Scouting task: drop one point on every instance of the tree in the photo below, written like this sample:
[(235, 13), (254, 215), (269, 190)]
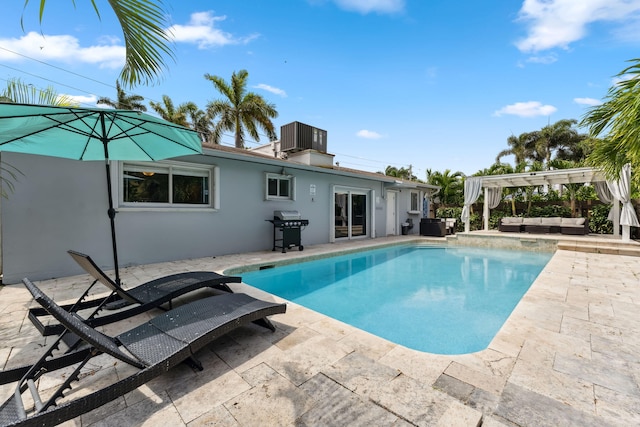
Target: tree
[(146, 40), (23, 93), (170, 113), (124, 101), (240, 111), (403, 173), (559, 138), (572, 188), (451, 186), (616, 121), (552, 138), (20, 92), (201, 122), (519, 147)]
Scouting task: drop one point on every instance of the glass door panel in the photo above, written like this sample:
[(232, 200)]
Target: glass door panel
[(358, 215), (341, 215)]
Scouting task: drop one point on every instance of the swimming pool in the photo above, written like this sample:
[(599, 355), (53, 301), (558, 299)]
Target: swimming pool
[(444, 300)]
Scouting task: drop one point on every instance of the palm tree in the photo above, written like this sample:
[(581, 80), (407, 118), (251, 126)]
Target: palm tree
[(241, 110), (170, 113), (502, 169), (553, 138), (124, 101), (403, 173), (22, 93), (519, 147), (146, 40), (572, 188), (535, 166), (450, 183), (201, 122), (616, 120)]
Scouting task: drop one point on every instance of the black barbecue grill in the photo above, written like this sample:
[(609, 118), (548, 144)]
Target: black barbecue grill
[(287, 227)]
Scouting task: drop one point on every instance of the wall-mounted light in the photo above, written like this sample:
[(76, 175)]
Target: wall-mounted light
[(148, 173)]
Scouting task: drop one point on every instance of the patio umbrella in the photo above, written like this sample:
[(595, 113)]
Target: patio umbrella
[(93, 134)]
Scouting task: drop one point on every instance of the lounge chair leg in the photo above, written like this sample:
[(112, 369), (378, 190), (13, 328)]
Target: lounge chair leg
[(194, 363), (266, 323)]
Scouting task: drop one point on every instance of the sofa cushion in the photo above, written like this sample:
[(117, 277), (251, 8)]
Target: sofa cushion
[(572, 222), (531, 221), (551, 221), (511, 220)]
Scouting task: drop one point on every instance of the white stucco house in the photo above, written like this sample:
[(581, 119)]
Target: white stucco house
[(190, 207)]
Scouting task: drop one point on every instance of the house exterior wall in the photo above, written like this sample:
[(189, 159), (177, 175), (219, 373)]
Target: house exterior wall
[(61, 204)]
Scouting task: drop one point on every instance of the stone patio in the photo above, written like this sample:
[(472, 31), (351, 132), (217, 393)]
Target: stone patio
[(568, 355)]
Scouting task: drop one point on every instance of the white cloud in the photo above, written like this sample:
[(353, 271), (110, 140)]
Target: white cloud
[(62, 48), (587, 101), (623, 78), (526, 109), (557, 23), (368, 134), (274, 90), (82, 99), (368, 6), (201, 31)]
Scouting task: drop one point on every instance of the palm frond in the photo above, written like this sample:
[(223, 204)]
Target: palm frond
[(146, 39)]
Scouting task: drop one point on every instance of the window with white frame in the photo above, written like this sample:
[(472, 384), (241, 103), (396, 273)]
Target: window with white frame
[(279, 187), (161, 184), (414, 202)]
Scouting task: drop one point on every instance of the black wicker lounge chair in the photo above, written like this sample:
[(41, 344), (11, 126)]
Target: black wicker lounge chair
[(142, 297), (153, 347)]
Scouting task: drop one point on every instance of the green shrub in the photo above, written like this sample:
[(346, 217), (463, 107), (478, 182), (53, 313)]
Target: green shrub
[(550, 211), (453, 212), (598, 222), (586, 192)]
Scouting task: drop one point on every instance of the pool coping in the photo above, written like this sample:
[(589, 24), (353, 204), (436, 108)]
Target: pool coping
[(566, 355)]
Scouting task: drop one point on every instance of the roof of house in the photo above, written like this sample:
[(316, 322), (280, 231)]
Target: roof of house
[(259, 157)]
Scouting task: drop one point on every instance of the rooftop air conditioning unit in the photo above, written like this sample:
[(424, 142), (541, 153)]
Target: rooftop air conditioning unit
[(297, 136)]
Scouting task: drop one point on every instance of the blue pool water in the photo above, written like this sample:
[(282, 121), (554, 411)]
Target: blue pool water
[(449, 300)]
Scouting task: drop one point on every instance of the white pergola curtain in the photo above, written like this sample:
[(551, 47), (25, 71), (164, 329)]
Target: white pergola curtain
[(621, 190), (494, 197), (604, 195), (472, 188)]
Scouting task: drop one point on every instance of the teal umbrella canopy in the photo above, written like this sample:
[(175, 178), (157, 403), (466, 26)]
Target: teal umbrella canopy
[(93, 134)]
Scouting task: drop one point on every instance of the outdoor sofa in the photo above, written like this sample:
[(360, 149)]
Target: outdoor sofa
[(573, 226)]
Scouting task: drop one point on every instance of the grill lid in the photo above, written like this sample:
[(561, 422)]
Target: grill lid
[(285, 215)]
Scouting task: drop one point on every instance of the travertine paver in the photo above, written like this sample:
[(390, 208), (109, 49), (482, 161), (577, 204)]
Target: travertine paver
[(568, 355)]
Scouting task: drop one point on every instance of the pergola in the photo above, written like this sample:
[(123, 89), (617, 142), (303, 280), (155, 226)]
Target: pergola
[(474, 185)]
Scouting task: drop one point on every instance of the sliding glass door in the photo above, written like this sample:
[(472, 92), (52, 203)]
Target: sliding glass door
[(351, 214)]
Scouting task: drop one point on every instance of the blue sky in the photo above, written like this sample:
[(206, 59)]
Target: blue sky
[(432, 84)]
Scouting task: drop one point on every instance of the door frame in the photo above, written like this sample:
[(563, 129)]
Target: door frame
[(370, 212)]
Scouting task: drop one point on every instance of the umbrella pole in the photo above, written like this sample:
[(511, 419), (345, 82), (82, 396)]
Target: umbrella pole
[(112, 216), (111, 212)]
